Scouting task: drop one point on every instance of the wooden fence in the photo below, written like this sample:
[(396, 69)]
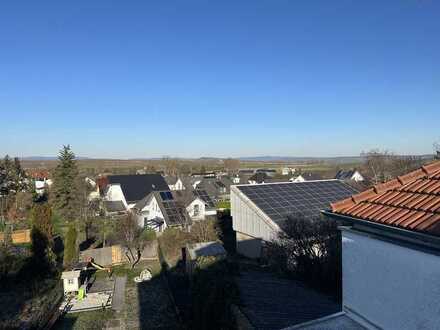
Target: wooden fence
[(104, 256), (18, 236)]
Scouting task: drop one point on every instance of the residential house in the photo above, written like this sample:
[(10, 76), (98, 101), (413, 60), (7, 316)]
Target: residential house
[(203, 175), (349, 175), (42, 180), (174, 182), (241, 178), (391, 252), (260, 211), (268, 171), (257, 178), (197, 202), (94, 193), (216, 189), (262, 177), (130, 189), (287, 171), (306, 177), (160, 210), (246, 171)]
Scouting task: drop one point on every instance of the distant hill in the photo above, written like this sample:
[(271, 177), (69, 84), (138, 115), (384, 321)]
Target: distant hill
[(45, 158), (353, 159)]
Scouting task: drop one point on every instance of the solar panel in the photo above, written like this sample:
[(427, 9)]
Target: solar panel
[(307, 198), (166, 195), (204, 196), (174, 212)]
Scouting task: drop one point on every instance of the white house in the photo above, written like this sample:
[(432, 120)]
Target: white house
[(198, 203), (391, 252), (159, 210), (287, 170), (298, 178), (174, 183), (130, 189), (259, 211)]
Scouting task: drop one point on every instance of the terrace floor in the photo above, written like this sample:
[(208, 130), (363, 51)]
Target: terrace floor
[(272, 302)]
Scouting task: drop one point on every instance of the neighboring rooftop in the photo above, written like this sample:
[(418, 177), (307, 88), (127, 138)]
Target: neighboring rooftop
[(114, 206), (173, 212), (136, 187), (345, 175), (70, 274), (259, 177), (206, 249), (278, 200), (410, 201)]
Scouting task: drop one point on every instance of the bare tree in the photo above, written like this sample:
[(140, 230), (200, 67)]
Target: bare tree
[(383, 165), (171, 165), (130, 233), (377, 163), (205, 231), (437, 150), (231, 165)]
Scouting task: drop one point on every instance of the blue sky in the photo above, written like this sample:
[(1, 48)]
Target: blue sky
[(219, 78)]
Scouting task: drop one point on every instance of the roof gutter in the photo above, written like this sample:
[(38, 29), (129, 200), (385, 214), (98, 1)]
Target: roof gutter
[(391, 233)]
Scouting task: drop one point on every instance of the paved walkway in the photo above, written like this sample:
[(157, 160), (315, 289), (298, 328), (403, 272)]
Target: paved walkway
[(119, 294)]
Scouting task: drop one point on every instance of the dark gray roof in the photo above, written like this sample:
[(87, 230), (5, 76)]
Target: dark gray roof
[(259, 177), (279, 200), (187, 196), (114, 206), (226, 181), (136, 187), (344, 175), (271, 302), (204, 196)]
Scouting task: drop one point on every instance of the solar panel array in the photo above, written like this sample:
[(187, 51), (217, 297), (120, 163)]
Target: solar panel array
[(204, 196), (174, 212), (279, 200)]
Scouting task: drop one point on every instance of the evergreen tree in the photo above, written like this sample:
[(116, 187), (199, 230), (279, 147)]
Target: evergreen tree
[(65, 187), (43, 256), (70, 254)]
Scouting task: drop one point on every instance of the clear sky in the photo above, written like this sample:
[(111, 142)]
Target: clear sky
[(219, 78)]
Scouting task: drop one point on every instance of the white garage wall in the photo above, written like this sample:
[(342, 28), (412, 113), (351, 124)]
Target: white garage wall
[(393, 287), (247, 220)]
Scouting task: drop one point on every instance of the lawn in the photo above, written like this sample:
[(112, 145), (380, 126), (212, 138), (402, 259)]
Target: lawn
[(86, 320)]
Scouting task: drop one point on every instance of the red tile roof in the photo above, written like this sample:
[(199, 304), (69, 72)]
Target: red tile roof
[(411, 201)]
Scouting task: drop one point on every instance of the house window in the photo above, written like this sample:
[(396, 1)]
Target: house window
[(196, 210), (70, 281)]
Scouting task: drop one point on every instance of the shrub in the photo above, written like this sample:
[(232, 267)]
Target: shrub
[(70, 254), (204, 231), (171, 242), (310, 250), (148, 235)]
